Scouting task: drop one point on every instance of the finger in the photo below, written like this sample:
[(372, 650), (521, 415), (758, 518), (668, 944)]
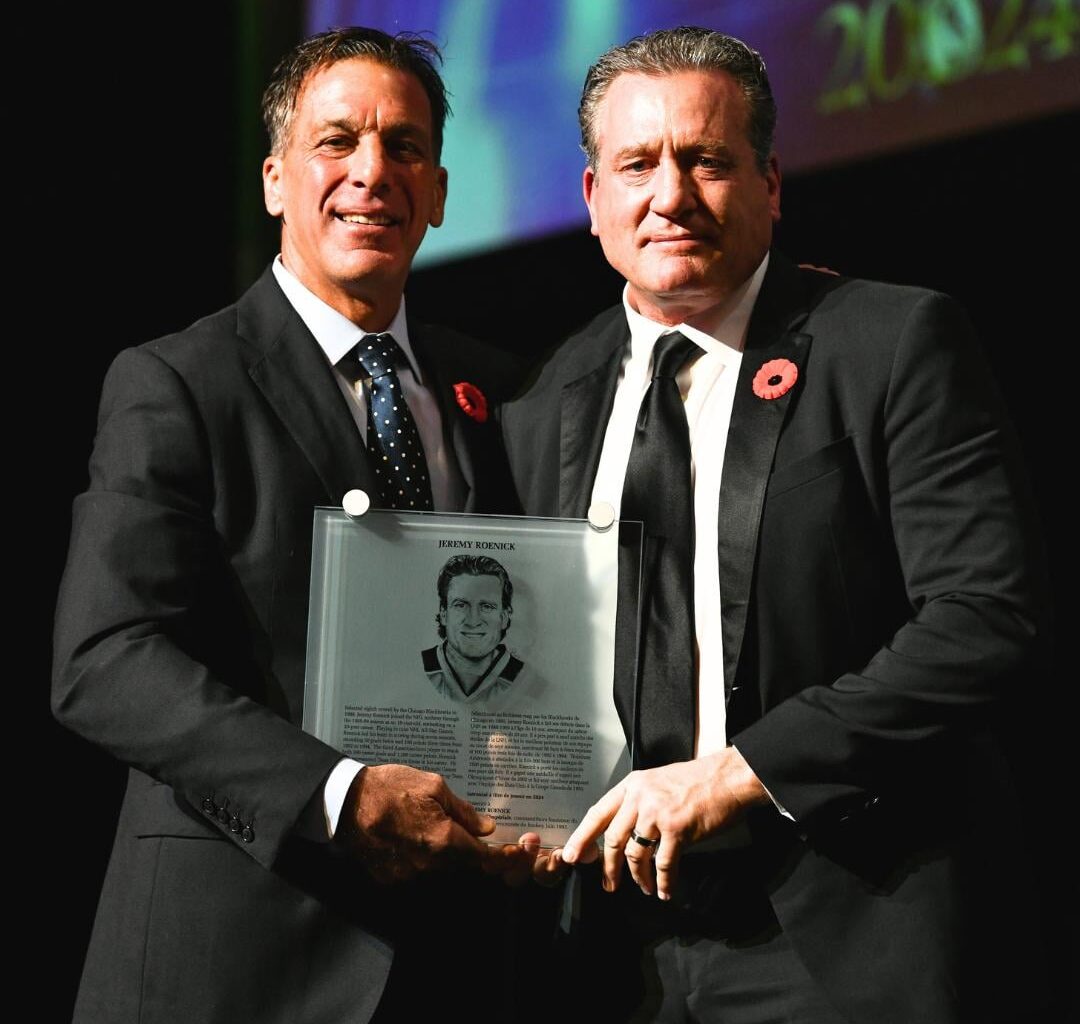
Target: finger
[(465, 814), (593, 824), (445, 843), (616, 837), (666, 862), (590, 854), (512, 862), (639, 857), (550, 868), (530, 841)]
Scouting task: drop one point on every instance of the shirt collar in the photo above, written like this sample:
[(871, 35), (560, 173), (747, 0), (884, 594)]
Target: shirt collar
[(726, 332), (337, 335)]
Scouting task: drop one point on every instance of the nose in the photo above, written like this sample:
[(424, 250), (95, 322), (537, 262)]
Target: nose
[(369, 164), (673, 189)]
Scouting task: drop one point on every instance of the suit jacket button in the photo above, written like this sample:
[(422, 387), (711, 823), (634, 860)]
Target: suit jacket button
[(234, 824), (247, 834), (223, 816), (209, 807)]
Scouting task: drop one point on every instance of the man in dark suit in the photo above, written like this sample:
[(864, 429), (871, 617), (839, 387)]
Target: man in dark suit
[(821, 793), (247, 880)]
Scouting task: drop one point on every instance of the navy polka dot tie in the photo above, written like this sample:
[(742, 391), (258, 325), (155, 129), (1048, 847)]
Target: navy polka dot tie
[(393, 441)]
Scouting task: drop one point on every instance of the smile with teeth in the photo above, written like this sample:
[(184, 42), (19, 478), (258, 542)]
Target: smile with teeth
[(382, 220)]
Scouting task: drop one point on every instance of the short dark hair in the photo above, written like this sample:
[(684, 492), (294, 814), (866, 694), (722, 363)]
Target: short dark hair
[(687, 48), (472, 565), (405, 51)]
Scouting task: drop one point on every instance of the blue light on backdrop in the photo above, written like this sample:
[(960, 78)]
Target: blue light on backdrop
[(851, 77)]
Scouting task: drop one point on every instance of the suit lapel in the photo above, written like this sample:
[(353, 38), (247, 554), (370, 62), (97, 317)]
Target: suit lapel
[(751, 445), (432, 358), (298, 382), (586, 403)]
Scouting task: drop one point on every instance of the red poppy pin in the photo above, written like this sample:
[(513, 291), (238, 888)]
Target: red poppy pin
[(775, 378), (472, 401)]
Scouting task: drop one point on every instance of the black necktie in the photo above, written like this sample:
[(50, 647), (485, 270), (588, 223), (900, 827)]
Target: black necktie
[(657, 491), (394, 446)]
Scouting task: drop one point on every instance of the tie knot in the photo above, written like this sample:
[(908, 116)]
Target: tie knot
[(669, 354), (378, 354)]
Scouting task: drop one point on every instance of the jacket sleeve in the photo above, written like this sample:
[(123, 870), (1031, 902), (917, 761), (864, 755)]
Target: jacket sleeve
[(154, 660)]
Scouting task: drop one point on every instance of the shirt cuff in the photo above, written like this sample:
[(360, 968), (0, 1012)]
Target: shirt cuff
[(335, 791), (319, 821)]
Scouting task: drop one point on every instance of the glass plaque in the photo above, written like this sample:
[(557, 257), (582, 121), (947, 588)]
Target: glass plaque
[(478, 647)]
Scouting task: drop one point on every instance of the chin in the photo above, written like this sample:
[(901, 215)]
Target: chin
[(372, 261), (480, 655), (687, 273)]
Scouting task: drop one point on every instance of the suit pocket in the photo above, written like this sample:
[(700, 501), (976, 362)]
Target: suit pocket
[(836, 455), (218, 938), (229, 942)]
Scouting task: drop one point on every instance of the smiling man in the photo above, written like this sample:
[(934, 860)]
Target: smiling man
[(248, 880), (475, 606), (354, 176), (841, 590)]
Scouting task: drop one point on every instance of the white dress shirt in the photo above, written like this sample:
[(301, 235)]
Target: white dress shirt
[(337, 336), (707, 384)]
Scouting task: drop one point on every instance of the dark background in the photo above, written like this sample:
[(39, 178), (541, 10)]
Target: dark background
[(146, 137)]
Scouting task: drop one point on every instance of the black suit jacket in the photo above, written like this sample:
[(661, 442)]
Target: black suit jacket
[(881, 588), (180, 643)]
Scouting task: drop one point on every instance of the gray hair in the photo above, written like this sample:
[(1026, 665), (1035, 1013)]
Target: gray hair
[(404, 51), (688, 48)]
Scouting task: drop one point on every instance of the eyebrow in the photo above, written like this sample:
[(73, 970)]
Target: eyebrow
[(698, 146), (344, 124), (348, 124)]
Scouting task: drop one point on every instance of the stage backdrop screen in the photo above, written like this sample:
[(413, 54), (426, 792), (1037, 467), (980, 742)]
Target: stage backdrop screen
[(852, 78)]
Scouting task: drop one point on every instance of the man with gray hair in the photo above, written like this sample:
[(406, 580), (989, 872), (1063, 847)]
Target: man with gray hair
[(249, 876), (841, 587)]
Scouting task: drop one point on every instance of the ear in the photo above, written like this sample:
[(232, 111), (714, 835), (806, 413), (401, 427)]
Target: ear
[(772, 180), (272, 192), (439, 209), (588, 190)]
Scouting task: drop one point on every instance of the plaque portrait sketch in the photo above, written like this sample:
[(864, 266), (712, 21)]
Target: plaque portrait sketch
[(480, 647), (473, 661)]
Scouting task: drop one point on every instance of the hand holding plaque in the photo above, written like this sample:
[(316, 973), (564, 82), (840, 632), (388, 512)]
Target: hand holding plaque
[(480, 648), (401, 821)]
